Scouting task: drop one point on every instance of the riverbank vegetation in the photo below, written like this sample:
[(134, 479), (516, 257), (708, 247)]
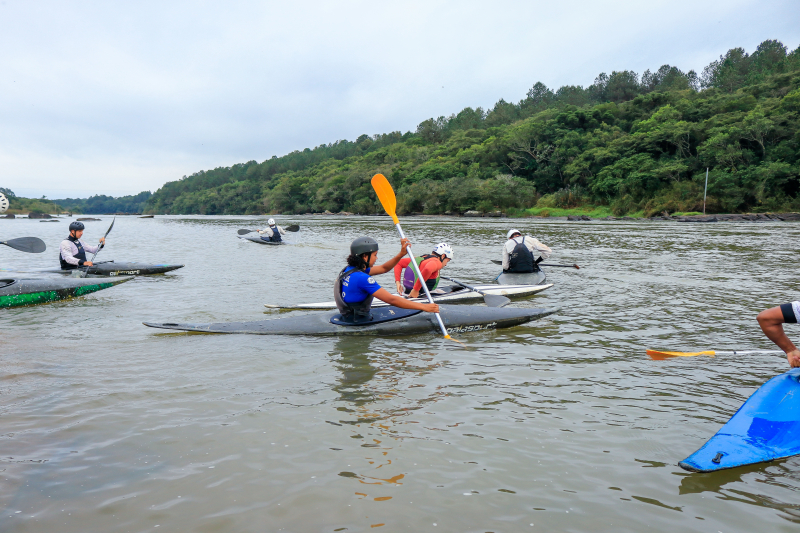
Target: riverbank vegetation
[(626, 144)]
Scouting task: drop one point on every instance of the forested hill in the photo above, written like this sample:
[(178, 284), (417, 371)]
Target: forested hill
[(634, 143)]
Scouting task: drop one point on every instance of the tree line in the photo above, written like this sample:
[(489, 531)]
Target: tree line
[(638, 144)]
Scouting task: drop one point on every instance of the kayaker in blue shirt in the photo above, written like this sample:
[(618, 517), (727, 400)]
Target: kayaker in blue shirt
[(355, 287), (771, 322)]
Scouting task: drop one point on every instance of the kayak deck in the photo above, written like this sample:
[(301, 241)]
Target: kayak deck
[(452, 294), (112, 268), (17, 292), (255, 237), (522, 278), (766, 427), (457, 319)]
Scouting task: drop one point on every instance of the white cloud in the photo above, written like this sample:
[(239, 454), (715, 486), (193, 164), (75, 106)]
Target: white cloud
[(113, 98)]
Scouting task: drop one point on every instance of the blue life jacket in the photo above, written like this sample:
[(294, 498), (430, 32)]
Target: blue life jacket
[(80, 256), (353, 311), (521, 259)]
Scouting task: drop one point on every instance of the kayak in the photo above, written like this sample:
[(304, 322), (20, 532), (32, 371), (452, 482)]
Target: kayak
[(255, 237), (15, 292), (457, 319), (765, 428), (110, 268), (527, 278), (452, 294)]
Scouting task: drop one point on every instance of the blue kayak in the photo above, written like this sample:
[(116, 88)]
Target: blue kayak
[(765, 428)]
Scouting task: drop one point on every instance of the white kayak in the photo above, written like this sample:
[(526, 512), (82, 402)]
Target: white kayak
[(450, 294)]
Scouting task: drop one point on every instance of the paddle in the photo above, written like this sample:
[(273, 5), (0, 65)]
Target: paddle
[(660, 355), (389, 202), (293, 228), (32, 245), (498, 262), (492, 300), (102, 245)]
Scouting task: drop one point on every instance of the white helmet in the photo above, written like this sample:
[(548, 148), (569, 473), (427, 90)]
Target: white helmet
[(271, 222), (443, 249), (512, 232), (3, 203)]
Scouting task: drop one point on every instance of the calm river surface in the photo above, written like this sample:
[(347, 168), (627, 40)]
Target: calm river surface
[(560, 425)]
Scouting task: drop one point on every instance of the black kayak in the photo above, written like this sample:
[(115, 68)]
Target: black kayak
[(110, 268), (256, 237), (15, 292), (456, 318), (516, 278)]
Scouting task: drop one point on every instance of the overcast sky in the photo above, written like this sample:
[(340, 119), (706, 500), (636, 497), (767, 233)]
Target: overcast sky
[(119, 97)]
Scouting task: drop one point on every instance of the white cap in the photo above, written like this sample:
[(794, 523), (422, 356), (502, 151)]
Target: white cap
[(512, 232), (443, 249), (271, 222)]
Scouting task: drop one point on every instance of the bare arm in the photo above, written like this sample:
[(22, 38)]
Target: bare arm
[(388, 265), (399, 301), (771, 322)]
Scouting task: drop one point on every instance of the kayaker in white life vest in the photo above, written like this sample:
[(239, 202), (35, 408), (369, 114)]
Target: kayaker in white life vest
[(771, 322), (518, 253), (72, 252), (272, 231)]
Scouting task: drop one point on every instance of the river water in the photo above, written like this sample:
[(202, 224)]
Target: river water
[(559, 425)]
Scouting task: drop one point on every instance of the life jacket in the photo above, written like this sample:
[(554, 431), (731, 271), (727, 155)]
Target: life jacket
[(410, 277), (81, 255), (276, 234), (354, 311), (521, 259)]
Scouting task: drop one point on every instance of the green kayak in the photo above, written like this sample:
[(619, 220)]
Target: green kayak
[(16, 292)]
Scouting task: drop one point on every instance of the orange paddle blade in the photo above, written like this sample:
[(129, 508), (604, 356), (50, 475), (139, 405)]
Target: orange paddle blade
[(659, 355), (386, 195)]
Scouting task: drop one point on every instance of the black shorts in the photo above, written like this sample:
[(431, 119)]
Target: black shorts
[(790, 312)]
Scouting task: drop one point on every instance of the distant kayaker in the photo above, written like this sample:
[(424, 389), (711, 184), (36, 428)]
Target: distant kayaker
[(518, 253), (72, 253), (273, 231), (429, 266), (771, 322), (355, 287)]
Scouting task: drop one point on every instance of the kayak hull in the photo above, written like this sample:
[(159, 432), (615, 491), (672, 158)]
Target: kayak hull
[(765, 428), (454, 294), (457, 319), (528, 278), (112, 268), (16, 292), (255, 237)]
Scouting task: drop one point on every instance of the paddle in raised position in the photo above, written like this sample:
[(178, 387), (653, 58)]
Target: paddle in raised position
[(102, 245), (389, 202)]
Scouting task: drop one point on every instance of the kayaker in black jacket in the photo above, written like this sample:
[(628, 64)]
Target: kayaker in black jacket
[(72, 252), (771, 322), (519, 253)]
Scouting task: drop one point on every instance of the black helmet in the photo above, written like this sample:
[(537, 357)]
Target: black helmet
[(76, 226), (363, 245)]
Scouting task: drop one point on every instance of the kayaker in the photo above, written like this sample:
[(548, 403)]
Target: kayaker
[(518, 252), (429, 266), (273, 231), (771, 322), (72, 253), (355, 286)]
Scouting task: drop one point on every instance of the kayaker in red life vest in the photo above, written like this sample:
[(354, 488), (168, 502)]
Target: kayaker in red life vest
[(518, 253), (771, 322), (429, 266)]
